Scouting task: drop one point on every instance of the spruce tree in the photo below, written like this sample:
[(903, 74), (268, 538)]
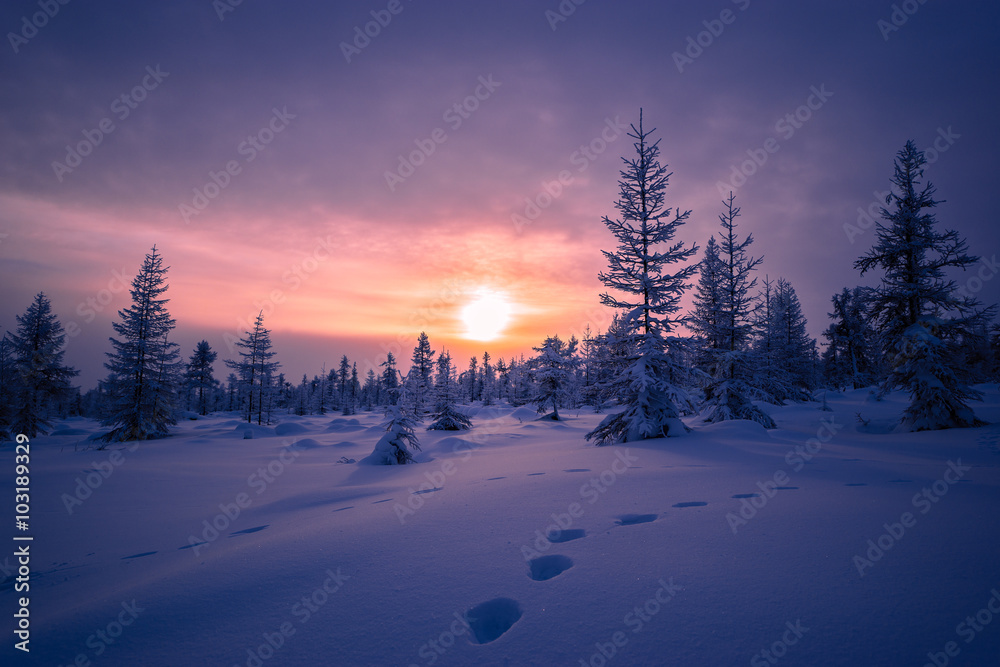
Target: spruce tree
[(649, 301), (40, 379), (419, 377), (255, 370), (143, 367), (917, 308), (201, 382), (733, 385), (446, 417)]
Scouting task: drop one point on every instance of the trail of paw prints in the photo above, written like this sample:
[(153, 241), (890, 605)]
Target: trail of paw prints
[(247, 531)]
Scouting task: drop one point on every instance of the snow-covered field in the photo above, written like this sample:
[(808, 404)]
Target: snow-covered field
[(209, 548)]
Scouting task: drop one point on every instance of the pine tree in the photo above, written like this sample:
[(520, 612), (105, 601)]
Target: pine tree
[(488, 379), (144, 366), (40, 378), (652, 298), (732, 386), (390, 378), (916, 307), (446, 417), (552, 370), (200, 378), (255, 370), (784, 350), (706, 320), (850, 358), (400, 440), (420, 386), (7, 375)]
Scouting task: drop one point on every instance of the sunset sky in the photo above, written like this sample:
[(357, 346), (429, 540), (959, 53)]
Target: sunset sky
[(308, 114)]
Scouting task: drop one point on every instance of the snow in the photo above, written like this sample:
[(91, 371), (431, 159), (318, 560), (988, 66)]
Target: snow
[(515, 543)]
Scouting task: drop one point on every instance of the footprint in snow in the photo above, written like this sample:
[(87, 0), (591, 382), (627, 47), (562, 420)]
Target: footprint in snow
[(695, 503), (533, 474), (377, 502), (577, 470), (247, 531), (747, 495), (418, 493), (544, 568), (491, 619), (786, 488), (145, 553), (633, 519), (855, 484), (188, 546), (349, 507), (491, 479), (558, 536)]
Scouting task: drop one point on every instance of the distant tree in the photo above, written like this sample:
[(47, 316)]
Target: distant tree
[(199, 376), (637, 268), (785, 352), (446, 417), (144, 366), (488, 379), (40, 379), (255, 370), (916, 308), (707, 320), (369, 392), (471, 379)]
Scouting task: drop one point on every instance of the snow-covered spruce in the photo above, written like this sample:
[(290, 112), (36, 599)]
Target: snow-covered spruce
[(917, 309), (723, 316), (256, 371), (446, 417), (552, 370), (37, 378), (642, 384), (144, 368), (397, 445)]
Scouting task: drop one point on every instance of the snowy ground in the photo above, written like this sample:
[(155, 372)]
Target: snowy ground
[(661, 561)]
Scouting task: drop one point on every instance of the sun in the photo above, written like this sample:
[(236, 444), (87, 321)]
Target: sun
[(486, 317)]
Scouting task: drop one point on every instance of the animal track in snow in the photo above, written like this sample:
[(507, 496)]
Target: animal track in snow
[(145, 553), (695, 503), (247, 531), (786, 488), (423, 491), (577, 470), (532, 474), (747, 495)]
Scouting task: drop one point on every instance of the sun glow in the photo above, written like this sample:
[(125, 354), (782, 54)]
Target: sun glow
[(487, 316)]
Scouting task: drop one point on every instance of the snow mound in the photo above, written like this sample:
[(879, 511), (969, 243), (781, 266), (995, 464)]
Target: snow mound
[(305, 443), (741, 429), (253, 431), (524, 413), (341, 425), (290, 429)]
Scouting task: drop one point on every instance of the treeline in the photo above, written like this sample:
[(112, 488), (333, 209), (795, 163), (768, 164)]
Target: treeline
[(743, 345)]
